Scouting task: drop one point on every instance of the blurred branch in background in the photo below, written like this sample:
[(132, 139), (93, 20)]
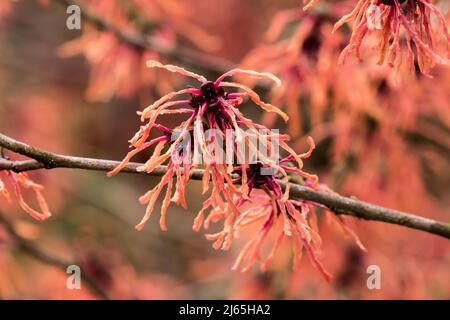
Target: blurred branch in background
[(190, 56), (35, 251), (336, 203)]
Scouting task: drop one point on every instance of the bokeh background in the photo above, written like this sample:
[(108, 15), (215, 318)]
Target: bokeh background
[(382, 137)]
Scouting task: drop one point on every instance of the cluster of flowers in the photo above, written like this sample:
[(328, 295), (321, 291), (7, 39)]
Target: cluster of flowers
[(356, 112), (164, 23), (241, 195), (388, 18), (19, 181)]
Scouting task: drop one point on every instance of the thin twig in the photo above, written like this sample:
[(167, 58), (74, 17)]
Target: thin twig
[(336, 203)]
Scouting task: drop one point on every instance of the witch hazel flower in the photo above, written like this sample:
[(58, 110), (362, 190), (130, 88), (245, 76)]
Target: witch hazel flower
[(245, 185), (212, 112), (115, 62), (266, 206), (278, 219), (21, 181), (398, 22), (293, 221), (228, 211)]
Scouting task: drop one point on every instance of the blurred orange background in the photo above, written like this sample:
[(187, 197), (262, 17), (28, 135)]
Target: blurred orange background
[(380, 137)]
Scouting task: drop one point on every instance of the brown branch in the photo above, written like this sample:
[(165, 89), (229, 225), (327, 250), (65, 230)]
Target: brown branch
[(36, 252), (336, 203)]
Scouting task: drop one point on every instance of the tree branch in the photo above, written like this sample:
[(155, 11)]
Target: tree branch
[(336, 203)]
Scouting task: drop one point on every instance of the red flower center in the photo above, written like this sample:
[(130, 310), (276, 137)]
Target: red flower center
[(210, 95)]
